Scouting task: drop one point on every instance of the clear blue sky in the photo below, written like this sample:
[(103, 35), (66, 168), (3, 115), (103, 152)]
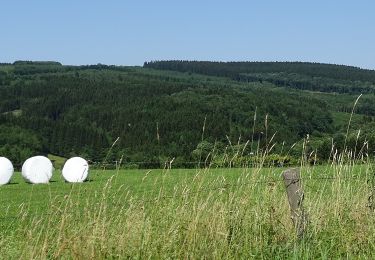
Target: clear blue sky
[(131, 32)]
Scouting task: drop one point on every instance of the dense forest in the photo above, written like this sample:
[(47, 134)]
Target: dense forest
[(299, 75), (185, 111)]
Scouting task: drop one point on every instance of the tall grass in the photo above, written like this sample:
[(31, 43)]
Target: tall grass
[(203, 216)]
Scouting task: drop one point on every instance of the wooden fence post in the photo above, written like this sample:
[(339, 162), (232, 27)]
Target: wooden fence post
[(295, 195), (371, 198)]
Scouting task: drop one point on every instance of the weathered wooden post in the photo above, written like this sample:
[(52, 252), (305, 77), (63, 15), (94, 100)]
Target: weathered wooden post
[(371, 198), (295, 195)]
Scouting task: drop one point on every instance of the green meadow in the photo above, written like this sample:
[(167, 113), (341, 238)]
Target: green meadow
[(189, 213)]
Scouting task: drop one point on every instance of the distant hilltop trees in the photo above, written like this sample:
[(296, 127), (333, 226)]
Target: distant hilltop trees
[(235, 69), (27, 62)]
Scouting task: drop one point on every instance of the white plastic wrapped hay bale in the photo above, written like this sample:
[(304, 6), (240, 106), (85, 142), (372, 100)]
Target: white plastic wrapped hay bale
[(75, 169), (24, 167), (37, 169), (6, 170)]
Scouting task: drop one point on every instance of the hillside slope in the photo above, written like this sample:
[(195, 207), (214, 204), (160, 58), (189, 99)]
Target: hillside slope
[(46, 107), (298, 75)]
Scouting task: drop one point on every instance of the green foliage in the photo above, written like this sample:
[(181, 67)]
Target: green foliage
[(235, 69), (203, 151), (18, 144), (159, 115)]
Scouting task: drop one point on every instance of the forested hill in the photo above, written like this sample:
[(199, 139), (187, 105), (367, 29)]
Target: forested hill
[(300, 75), (158, 115)]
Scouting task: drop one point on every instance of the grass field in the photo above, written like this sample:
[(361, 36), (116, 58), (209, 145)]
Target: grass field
[(202, 213)]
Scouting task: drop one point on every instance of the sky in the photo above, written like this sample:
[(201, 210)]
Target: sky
[(132, 32)]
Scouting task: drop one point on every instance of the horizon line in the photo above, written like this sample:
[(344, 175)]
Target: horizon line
[(189, 60)]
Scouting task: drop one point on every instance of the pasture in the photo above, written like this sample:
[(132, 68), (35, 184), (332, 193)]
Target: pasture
[(188, 213)]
